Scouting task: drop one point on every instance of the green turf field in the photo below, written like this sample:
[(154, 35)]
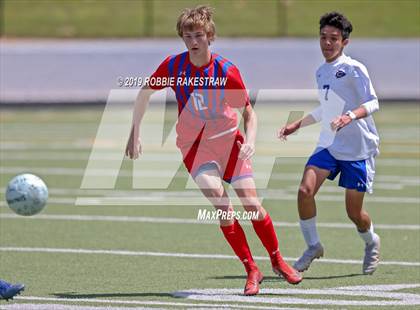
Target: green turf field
[(125, 247), (139, 18)]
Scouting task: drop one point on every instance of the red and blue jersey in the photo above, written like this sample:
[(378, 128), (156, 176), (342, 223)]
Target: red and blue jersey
[(205, 95)]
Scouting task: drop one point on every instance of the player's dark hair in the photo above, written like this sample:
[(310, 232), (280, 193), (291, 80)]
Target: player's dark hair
[(338, 21)]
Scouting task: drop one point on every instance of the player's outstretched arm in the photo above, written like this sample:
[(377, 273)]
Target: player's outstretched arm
[(133, 148), (247, 149), (284, 131)]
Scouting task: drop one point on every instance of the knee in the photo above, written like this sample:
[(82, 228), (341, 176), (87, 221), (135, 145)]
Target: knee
[(253, 207), (355, 217), (224, 208), (306, 192), (250, 203), (217, 198)]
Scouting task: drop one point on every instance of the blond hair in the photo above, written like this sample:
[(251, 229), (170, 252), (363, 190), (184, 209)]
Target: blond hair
[(200, 16)]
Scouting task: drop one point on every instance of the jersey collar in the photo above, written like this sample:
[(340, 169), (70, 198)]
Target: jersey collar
[(337, 61), (203, 66)]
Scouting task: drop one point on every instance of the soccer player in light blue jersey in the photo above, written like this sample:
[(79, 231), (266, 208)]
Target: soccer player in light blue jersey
[(348, 141)]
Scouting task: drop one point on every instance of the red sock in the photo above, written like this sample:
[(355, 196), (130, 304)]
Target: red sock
[(235, 236), (267, 234)]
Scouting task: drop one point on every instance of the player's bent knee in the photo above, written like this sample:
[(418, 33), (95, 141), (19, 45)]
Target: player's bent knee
[(224, 208), (305, 192), (252, 208), (219, 202), (250, 202), (355, 217)]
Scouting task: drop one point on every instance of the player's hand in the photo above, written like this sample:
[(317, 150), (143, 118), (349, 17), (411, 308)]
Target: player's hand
[(246, 150), (133, 148), (340, 122), (283, 132)]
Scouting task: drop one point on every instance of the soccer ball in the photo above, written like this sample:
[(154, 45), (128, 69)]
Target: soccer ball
[(26, 194)]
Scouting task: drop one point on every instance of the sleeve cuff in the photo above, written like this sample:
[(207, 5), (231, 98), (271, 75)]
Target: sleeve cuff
[(371, 106)]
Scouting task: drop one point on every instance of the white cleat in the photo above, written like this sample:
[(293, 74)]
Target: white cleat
[(314, 251), (371, 260)]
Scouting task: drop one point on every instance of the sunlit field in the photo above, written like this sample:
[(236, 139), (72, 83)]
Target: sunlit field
[(122, 234)]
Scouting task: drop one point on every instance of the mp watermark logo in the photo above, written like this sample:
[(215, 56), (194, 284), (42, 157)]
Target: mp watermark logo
[(159, 176), (205, 215)]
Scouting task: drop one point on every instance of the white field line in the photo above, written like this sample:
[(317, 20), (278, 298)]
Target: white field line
[(283, 193), (172, 220), (201, 201), (415, 180), (113, 145), (326, 189), (129, 303), (192, 193), (184, 255), (372, 294), (65, 171), (24, 146), (410, 141), (288, 194), (51, 200), (377, 185), (57, 306), (83, 156)]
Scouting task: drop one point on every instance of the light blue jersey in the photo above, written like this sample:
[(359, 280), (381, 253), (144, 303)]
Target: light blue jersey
[(345, 85)]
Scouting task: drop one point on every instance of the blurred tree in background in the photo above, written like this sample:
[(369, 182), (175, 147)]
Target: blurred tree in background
[(235, 18)]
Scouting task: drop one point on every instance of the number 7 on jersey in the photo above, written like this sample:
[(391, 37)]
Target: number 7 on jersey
[(327, 87)]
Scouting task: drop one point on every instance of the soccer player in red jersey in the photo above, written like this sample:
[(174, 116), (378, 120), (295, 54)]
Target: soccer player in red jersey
[(208, 87)]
